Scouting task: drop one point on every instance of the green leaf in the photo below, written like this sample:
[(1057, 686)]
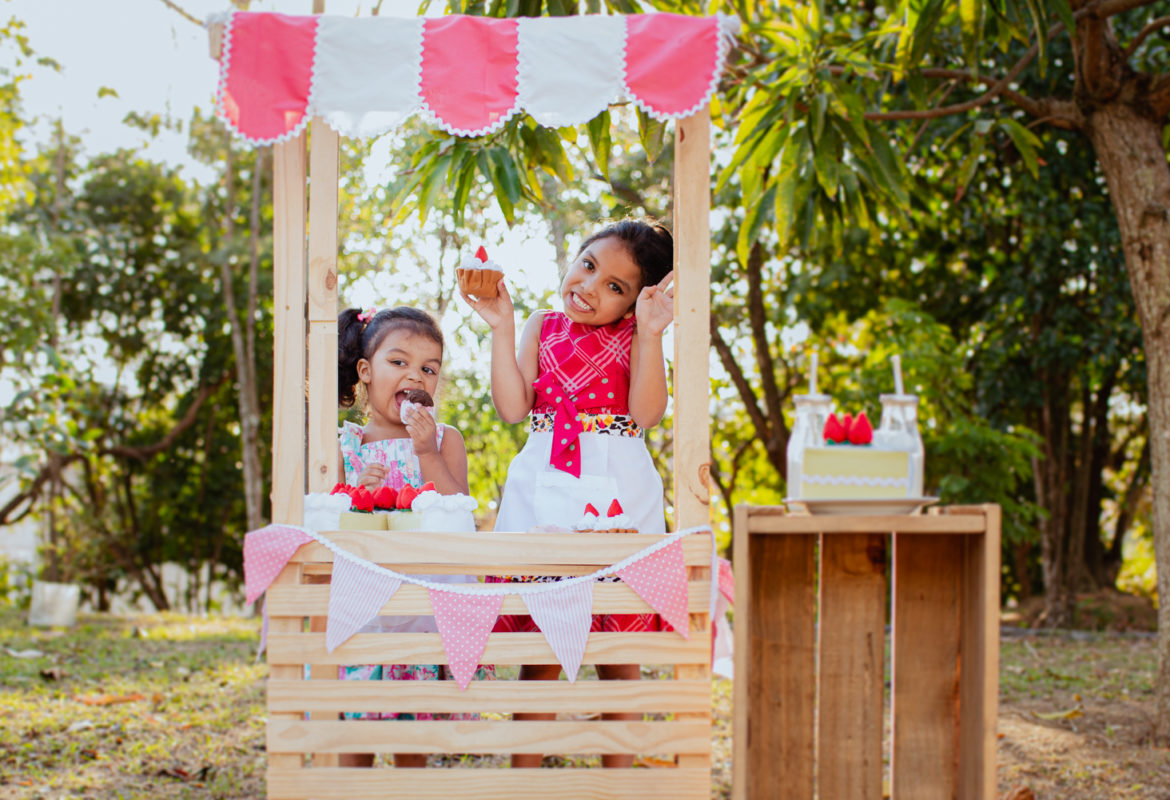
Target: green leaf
[(1026, 143), (652, 134), (1039, 31), (827, 161), (968, 167), (1065, 14), (600, 141), (755, 219), (971, 25)]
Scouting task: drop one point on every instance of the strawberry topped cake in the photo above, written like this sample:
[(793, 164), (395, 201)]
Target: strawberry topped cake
[(850, 466), (478, 275), (615, 521)]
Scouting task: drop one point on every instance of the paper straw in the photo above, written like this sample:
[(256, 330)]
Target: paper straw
[(812, 374), (897, 374)]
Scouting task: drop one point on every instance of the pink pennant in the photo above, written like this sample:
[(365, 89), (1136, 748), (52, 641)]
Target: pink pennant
[(356, 595), (563, 616), (670, 60), (726, 581), (267, 73), (464, 622), (266, 551), (661, 580), (469, 71)]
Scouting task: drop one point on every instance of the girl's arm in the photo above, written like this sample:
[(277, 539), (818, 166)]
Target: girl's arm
[(447, 467), (647, 380), (513, 373), (654, 311)]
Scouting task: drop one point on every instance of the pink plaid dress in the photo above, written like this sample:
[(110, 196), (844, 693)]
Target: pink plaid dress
[(582, 445)]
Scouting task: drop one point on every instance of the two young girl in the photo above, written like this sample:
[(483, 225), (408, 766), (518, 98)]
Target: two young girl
[(590, 377)]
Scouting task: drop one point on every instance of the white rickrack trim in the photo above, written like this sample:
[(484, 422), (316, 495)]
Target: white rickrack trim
[(523, 89), (854, 480), (225, 58), (728, 26), (500, 588)]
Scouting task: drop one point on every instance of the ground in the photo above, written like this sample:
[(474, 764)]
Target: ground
[(169, 706)]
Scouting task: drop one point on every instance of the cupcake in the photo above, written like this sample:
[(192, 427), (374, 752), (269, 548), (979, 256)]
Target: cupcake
[(415, 398), (588, 521), (478, 275), (616, 520)]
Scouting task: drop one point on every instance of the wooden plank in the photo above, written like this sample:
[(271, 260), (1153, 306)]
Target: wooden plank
[(979, 645), (287, 673), (515, 784), (502, 648), (692, 315), (575, 737), (927, 581), (782, 670), (608, 598), (288, 401), (866, 524), (740, 699), (852, 661), (497, 550), (580, 697), (322, 387)]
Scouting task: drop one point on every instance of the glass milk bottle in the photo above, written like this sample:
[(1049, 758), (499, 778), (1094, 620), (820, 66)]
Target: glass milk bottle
[(808, 431), (899, 431)]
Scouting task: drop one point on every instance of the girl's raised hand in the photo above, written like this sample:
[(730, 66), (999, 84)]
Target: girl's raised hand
[(654, 310), (494, 310)]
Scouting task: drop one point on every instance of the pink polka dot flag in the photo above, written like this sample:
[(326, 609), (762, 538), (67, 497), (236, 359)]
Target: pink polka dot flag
[(464, 622), (356, 594), (266, 551), (661, 580), (563, 617), (726, 581)]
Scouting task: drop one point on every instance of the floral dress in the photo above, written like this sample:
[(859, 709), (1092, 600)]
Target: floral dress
[(402, 468)]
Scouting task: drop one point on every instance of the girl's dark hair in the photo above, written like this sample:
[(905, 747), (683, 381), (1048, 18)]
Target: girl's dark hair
[(358, 339), (649, 244)]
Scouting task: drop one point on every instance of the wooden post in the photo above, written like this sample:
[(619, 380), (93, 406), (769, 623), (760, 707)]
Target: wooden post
[(288, 267)]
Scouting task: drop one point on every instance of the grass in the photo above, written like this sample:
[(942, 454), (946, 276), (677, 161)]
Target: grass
[(171, 706)]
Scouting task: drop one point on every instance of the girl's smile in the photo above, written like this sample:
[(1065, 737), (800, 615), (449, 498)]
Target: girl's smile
[(602, 284)]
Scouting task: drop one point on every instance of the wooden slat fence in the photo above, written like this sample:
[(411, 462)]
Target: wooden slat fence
[(305, 731)]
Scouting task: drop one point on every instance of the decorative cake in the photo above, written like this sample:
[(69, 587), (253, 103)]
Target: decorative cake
[(616, 520), (415, 399), (479, 275), (844, 458), (384, 509)]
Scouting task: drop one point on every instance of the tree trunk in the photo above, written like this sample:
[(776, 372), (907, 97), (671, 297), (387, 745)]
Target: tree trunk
[(1129, 148)]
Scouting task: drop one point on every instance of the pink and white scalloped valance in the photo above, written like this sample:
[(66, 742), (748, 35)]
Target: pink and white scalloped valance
[(470, 74)]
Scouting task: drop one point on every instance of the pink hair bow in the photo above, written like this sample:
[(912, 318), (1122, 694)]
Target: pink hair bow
[(367, 315)]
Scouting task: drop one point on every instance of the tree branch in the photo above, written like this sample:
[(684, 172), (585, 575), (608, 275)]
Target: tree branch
[(758, 320), (187, 15), (146, 451), (727, 358), (1160, 22), (1159, 97)]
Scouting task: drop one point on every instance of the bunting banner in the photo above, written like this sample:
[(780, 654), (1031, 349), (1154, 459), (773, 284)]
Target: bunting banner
[(726, 580), (562, 615), (466, 613), (355, 597), (464, 624), (265, 556), (661, 580), (468, 74)]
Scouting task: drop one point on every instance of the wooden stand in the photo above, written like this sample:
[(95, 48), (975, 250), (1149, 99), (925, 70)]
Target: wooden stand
[(810, 661), (305, 735)]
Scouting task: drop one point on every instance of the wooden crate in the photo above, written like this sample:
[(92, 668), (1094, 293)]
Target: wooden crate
[(304, 729), (811, 654)]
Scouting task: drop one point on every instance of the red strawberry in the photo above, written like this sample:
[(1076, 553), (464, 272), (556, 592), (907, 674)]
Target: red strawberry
[(385, 497), (846, 423), (481, 254), (406, 496), (591, 511), (615, 508), (834, 430), (861, 432), (340, 488), (362, 499), (429, 486)]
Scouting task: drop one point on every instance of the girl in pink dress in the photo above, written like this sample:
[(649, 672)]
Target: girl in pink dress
[(589, 378)]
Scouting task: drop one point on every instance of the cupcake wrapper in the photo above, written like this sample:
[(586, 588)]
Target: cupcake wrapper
[(479, 282)]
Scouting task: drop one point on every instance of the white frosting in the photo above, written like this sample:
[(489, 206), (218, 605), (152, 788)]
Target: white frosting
[(471, 262), (620, 521), (323, 511), (407, 408), (587, 523), (451, 512)]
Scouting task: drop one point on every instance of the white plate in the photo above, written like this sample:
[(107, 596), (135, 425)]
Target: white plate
[(886, 505)]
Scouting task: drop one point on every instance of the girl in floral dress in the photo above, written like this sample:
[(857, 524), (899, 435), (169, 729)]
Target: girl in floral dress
[(589, 378), (388, 353)]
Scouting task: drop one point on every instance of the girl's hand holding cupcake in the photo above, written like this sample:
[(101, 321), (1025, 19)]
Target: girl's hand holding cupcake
[(493, 310)]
